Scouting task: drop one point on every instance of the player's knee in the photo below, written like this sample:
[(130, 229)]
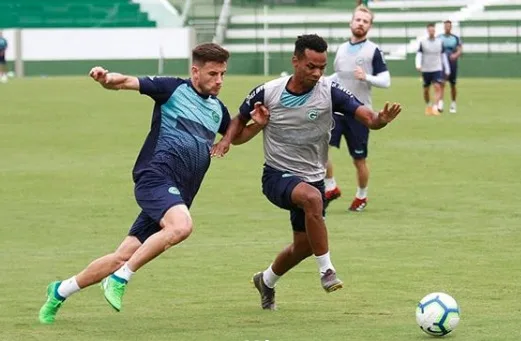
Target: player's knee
[(312, 200), (176, 233)]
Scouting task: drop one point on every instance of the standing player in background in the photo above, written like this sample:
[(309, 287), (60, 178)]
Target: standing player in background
[(359, 65), (167, 175), (296, 138), (453, 49), (432, 61), (3, 64)]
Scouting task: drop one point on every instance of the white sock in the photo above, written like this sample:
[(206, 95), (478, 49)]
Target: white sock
[(440, 103), (361, 193), (68, 287), (270, 278), (330, 183), (324, 263), (124, 272)]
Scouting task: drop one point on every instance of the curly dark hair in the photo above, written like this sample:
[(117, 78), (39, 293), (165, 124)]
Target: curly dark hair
[(309, 41)]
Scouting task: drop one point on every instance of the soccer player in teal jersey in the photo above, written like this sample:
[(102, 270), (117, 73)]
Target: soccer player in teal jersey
[(453, 48), (168, 172), (3, 64)]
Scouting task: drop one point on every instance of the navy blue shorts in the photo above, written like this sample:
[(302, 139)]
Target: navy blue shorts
[(2, 59), (277, 186), (453, 72), (355, 133), (155, 194), (432, 77)]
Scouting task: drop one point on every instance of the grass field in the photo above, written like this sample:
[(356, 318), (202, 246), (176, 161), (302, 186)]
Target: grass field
[(444, 215)]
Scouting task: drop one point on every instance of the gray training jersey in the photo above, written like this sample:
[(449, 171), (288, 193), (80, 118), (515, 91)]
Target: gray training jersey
[(365, 54), (431, 50), (297, 136)]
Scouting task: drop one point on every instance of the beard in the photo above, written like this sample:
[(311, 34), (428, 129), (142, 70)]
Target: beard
[(358, 32)]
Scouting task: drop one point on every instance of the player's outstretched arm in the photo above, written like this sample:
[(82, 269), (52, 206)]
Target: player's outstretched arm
[(378, 120), (238, 132), (113, 80), (260, 116)]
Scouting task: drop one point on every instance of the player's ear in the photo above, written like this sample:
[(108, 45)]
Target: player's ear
[(194, 70), (294, 61)]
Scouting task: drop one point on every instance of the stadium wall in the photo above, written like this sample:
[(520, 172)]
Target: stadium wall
[(471, 65)]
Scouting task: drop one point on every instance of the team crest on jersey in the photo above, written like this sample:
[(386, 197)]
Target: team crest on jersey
[(174, 191), (312, 114), (359, 61), (215, 116)]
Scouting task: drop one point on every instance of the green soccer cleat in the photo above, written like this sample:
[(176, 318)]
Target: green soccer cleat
[(54, 301), (113, 290)]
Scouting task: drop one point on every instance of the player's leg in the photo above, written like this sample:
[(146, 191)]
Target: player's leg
[(453, 91), (310, 198), (427, 79), (332, 190), (357, 141), (442, 94), (100, 268), (3, 69), (288, 258), (169, 223), (437, 81)]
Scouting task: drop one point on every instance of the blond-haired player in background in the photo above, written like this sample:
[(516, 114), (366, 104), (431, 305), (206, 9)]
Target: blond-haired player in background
[(359, 65)]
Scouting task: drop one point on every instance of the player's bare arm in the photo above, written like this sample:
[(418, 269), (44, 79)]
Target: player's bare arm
[(113, 80), (457, 53), (378, 120), (239, 132), (260, 116)]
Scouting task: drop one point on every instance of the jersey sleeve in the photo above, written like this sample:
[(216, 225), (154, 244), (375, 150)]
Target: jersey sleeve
[(379, 65), (225, 121), (159, 88), (343, 100), (458, 41), (256, 95)]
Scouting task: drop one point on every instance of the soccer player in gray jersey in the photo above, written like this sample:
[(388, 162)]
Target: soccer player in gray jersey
[(359, 65), (432, 61), (296, 138)]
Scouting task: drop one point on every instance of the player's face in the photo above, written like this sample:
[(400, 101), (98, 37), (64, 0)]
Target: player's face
[(431, 30), (448, 27), (360, 24), (208, 78), (310, 67)]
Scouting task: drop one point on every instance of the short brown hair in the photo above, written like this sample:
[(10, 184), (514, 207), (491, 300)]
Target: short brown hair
[(209, 52), (364, 9)]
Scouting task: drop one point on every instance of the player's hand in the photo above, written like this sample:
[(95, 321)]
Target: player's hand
[(98, 73), (389, 113), (419, 69), (220, 149), (260, 114), (453, 57), (360, 73)]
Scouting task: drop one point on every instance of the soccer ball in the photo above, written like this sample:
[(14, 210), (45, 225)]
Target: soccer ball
[(437, 314)]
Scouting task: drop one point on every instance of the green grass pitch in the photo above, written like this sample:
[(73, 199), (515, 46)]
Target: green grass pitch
[(443, 215)]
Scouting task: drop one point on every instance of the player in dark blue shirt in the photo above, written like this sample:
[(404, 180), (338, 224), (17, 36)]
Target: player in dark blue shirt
[(453, 48), (3, 64), (168, 172)]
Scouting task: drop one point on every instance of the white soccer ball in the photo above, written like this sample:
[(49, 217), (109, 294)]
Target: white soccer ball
[(437, 314)]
